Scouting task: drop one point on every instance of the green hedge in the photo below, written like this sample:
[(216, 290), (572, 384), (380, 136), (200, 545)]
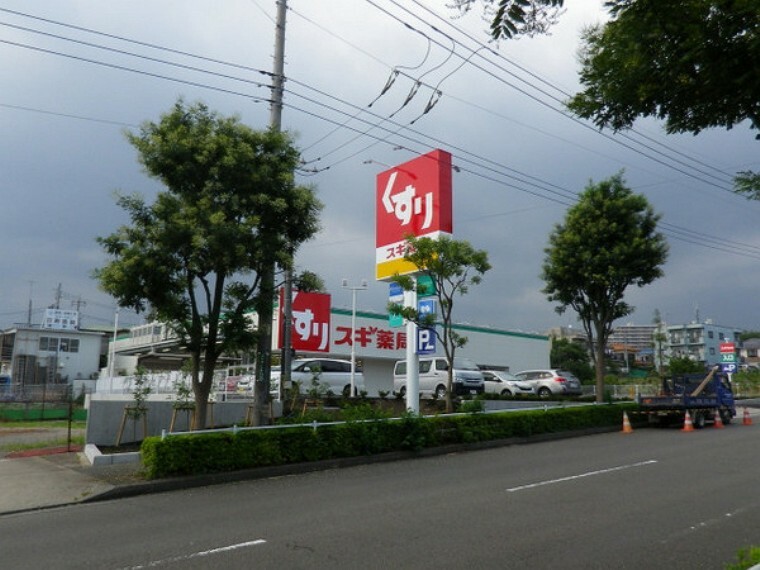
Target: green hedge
[(747, 558), (22, 414), (218, 452)]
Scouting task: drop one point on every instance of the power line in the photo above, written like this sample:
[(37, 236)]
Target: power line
[(66, 115), (564, 197), (192, 68), (546, 82), (561, 111)]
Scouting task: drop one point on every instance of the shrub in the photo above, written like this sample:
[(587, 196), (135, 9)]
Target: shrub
[(209, 453), (747, 558)]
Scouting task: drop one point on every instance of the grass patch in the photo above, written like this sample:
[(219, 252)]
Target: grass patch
[(54, 424), (59, 442)]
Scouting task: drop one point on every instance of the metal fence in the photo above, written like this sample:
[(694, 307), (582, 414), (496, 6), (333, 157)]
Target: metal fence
[(166, 384), (41, 393)]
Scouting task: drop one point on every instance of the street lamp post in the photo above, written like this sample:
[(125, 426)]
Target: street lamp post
[(354, 288), (112, 352)]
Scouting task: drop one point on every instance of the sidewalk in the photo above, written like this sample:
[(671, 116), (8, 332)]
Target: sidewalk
[(54, 477)]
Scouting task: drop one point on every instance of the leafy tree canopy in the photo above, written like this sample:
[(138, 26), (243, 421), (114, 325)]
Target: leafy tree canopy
[(571, 356), (692, 63), (452, 265), (515, 18), (608, 242), (684, 365), (231, 209)]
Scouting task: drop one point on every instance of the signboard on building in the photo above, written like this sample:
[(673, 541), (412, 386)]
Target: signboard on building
[(426, 308), (413, 198), (395, 295), (728, 357), (311, 321), (425, 286), (60, 320)]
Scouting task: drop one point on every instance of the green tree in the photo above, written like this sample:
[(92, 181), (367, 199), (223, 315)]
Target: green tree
[(571, 356), (452, 266), (514, 18), (684, 365), (608, 242), (691, 63), (195, 257)]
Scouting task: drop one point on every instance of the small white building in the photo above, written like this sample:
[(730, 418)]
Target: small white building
[(36, 356)]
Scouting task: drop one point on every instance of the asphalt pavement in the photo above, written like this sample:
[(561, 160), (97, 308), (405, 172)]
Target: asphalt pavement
[(59, 476)]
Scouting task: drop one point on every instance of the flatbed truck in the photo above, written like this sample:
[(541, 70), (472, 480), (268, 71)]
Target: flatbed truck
[(704, 397)]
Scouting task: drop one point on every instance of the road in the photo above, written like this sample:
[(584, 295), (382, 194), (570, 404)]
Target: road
[(651, 499)]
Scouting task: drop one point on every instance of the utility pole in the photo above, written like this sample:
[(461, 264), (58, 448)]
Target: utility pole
[(278, 81), (264, 309), (29, 313)]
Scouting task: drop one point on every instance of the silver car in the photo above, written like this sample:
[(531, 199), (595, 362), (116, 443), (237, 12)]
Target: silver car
[(505, 384), (551, 382)]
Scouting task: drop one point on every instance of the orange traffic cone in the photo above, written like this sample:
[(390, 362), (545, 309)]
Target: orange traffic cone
[(687, 425), (717, 421), (626, 424), (747, 420)]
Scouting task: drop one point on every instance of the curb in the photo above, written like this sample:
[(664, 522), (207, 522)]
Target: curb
[(97, 459), (193, 481)]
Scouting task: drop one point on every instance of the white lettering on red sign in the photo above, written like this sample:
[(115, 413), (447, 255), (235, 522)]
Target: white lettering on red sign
[(406, 204), (310, 321), (305, 327), (414, 198)]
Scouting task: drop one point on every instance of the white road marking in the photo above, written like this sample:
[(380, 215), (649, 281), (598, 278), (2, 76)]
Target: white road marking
[(580, 476), (200, 554)]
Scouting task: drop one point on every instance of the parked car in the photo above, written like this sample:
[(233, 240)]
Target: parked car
[(332, 374), (433, 376), (229, 384), (245, 383), (505, 384), (551, 382)]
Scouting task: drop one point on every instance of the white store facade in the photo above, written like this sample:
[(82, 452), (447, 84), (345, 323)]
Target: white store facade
[(377, 346)]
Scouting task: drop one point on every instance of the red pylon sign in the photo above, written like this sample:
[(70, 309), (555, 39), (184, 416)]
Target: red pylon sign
[(746, 420), (718, 421)]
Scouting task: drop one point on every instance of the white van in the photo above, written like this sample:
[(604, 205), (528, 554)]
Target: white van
[(333, 375), (433, 373)]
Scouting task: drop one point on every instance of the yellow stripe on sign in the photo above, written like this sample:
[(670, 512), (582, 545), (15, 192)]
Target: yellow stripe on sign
[(384, 271)]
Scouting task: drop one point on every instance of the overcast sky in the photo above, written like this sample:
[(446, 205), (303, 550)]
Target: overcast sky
[(77, 73)]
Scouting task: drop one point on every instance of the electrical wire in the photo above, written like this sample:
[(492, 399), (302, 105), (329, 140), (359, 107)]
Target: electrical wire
[(685, 236), (569, 116)]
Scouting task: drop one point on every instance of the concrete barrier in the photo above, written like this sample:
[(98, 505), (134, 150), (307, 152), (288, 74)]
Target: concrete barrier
[(106, 414)]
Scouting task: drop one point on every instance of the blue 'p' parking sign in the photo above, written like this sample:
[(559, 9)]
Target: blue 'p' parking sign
[(425, 340)]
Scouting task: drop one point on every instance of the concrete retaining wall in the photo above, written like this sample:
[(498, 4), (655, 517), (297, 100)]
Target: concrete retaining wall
[(105, 415)]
